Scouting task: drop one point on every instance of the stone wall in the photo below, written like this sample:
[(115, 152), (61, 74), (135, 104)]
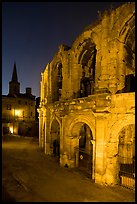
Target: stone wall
[(86, 85)]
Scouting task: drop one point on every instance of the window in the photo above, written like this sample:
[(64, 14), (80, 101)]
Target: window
[(130, 83), (8, 107), (87, 60), (59, 80)]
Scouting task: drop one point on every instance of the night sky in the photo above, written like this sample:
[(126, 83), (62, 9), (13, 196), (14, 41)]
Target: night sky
[(33, 31)]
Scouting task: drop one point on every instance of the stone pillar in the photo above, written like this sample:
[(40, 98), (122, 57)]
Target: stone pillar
[(112, 166), (68, 155), (47, 133), (40, 128), (42, 86), (93, 142), (100, 154), (74, 142), (42, 133), (64, 156), (75, 79), (61, 142)]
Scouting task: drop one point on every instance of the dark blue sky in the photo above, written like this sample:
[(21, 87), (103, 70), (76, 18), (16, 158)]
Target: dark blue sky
[(33, 31)]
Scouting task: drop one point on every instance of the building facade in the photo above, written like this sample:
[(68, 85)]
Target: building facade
[(87, 106), (18, 109)]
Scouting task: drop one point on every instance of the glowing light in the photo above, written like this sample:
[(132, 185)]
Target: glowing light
[(11, 130), (17, 113)]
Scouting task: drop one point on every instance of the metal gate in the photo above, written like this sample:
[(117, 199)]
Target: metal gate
[(126, 166), (84, 161)]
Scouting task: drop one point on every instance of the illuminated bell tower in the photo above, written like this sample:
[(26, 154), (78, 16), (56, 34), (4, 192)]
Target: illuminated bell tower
[(14, 85)]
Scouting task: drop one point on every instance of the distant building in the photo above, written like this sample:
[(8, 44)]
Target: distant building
[(18, 109), (87, 105)]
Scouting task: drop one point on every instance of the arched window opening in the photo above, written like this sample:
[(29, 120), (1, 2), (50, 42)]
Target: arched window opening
[(129, 83), (87, 59), (130, 61), (59, 83)]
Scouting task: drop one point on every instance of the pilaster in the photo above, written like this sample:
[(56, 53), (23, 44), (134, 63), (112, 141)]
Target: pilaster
[(100, 146)]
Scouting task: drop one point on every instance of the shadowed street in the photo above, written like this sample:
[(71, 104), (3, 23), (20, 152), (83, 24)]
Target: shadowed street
[(28, 175)]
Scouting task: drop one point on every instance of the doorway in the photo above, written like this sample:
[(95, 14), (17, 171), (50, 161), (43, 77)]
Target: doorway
[(126, 157), (85, 151)]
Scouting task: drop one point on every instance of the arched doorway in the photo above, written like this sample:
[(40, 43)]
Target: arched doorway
[(55, 138), (84, 150), (126, 156)]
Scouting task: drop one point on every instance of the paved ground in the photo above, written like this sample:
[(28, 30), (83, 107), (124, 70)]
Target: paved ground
[(28, 175)]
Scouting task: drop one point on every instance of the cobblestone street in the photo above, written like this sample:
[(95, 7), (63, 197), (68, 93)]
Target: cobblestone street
[(28, 175)]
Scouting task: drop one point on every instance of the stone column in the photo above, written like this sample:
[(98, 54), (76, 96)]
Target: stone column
[(93, 142), (112, 166), (74, 142), (61, 142), (42, 86), (100, 143), (43, 132), (47, 132), (40, 128)]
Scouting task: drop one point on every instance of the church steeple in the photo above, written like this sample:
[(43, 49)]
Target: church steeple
[(14, 85), (14, 74)]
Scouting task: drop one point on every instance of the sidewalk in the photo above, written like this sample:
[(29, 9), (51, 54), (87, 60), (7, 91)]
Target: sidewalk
[(29, 175)]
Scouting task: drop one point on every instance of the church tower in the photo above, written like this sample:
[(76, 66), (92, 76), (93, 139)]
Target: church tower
[(14, 85)]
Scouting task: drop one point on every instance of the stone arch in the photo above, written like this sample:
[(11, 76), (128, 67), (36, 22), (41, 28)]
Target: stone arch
[(85, 58), (82, 119), (127, 35), (56, 80), (89, 34), (126, 38), (118, 125), (53, 119), (127, 136), (55, 137), (74, 138), (126, 157), (129, 22), (112, 166)]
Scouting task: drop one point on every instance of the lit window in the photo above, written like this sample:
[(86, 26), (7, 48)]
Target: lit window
[(11, 130), (17, 113)]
